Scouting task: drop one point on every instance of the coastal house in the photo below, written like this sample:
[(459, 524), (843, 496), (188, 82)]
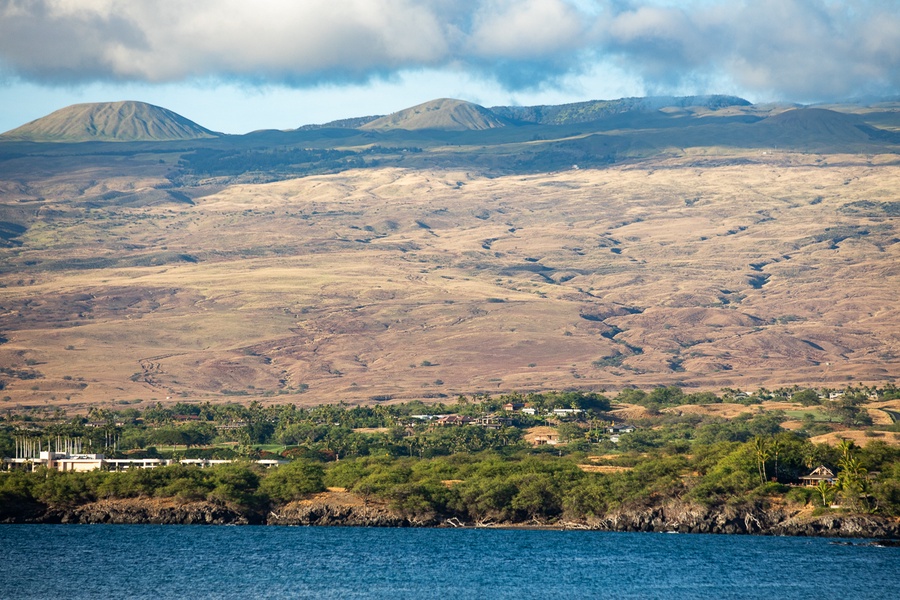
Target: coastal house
[(820, 473), (623, 428), (490, 422), (425, 417), (615, 431), (185, 418), (566, 412), (458, 420), (232, 425), (513, 406), (546, 439)]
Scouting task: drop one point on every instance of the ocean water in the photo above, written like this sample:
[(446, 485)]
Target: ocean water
[(195, 562)]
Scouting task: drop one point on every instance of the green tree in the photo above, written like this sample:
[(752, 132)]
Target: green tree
[(852, 477), (570, 432), (806, 397), (235, 483)]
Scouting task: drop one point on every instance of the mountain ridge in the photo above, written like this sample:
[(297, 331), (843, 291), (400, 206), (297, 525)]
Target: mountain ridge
[(134, 121)]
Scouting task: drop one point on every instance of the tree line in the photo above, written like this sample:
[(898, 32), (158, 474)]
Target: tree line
[(510, 485)]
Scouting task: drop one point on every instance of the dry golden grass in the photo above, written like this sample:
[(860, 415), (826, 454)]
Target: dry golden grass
[(603, 469), (728, 410), (858, 437), (879, 417), (792, 425), (629, 412), (408, 284)]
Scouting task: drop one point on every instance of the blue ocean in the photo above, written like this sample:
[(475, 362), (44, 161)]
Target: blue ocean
[(161, 562)]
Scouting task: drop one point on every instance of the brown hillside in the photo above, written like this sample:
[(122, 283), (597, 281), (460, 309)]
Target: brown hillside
[(389, 283)]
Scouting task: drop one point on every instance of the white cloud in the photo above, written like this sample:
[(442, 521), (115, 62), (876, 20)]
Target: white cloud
[(526, 29), (804, 49)]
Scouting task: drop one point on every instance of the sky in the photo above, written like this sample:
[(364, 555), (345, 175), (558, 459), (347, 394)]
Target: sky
[(239, 65)]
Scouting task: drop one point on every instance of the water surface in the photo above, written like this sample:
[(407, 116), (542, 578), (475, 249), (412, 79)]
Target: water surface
[(171, 561)]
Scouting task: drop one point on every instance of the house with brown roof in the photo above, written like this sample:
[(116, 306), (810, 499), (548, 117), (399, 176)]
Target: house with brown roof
[(820, 473)]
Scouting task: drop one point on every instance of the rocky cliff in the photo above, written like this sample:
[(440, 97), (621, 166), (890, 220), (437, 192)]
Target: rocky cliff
[(342, 508), (156, 511), (674, 516)]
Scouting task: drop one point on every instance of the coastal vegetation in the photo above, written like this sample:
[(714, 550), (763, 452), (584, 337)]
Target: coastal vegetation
[(396, 456)]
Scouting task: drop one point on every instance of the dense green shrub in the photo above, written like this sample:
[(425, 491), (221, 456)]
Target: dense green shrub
[(293, 481), (236, 484)]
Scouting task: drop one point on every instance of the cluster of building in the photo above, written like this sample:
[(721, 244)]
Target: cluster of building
[(497, 422)]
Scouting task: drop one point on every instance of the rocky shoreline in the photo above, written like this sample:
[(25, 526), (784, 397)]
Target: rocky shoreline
[(344, 509)]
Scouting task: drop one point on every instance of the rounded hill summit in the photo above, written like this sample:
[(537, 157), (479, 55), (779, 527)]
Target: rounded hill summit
[(444, 113), (126, 121)]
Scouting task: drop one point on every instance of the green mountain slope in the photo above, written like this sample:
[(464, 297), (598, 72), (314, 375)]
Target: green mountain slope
[(593, 110)]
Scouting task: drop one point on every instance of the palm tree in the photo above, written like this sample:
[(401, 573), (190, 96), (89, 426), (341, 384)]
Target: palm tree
[(762, 455), (846, 447), (826, 490), (853, 477), (776, 448)]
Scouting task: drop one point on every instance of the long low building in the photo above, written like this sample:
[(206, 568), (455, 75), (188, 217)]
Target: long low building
[(79, 463)]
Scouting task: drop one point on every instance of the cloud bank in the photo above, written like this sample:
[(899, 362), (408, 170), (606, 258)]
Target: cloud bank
[(794, 49)]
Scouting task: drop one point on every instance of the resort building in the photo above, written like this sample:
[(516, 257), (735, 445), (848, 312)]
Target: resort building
[(78, 463)]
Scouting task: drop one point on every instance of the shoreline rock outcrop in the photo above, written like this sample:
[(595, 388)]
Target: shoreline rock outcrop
[(339, 508), (347, 509), (149, 511), (695, 518)]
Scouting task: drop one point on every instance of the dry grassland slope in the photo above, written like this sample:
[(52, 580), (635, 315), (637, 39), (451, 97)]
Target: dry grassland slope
[(390, 283)]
